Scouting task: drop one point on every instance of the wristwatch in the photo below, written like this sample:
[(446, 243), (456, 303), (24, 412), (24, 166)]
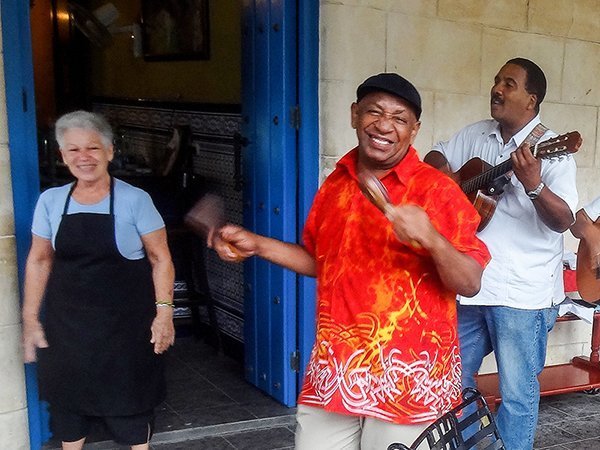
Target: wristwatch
[(533, 194)]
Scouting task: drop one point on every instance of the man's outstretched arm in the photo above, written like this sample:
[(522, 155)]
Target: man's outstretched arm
[(235, 243)]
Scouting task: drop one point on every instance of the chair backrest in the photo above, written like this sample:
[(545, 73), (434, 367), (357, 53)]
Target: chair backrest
[(469, 425)]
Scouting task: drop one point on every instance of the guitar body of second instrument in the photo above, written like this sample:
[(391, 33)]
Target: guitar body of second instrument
[(588, 283)]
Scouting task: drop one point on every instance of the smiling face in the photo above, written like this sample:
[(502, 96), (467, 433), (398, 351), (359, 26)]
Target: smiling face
[(386, 126), (85, 154), (510, 103)]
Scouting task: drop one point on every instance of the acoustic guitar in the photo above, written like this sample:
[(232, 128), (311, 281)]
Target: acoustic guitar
[(483, 183)]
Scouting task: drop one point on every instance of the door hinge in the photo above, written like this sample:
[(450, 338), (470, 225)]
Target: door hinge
[(295, 117), (295, 361)]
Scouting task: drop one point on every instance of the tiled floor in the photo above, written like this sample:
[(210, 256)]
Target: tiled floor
[(211, 407), (207, 388), (569, 421)]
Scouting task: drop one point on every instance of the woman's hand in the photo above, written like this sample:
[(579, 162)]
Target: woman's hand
[(163, 276), (33, 338), (163, 330), (37, 271)]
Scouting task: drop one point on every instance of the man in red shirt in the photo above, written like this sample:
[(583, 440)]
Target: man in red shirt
[(386, 360)]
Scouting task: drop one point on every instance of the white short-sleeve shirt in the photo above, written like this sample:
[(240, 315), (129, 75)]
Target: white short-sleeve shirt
[(525, 271)]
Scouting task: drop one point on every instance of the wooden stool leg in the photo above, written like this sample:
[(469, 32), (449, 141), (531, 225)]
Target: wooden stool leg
[(594, 358), (595, 355)]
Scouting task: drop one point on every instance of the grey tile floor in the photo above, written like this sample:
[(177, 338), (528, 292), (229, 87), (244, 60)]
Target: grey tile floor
[(207, 388), (569, 421), (210, 407)]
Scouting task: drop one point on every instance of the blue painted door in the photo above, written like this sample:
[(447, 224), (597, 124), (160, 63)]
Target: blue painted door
[(20, 104), (279, 183), (269, 97), (308, 161)]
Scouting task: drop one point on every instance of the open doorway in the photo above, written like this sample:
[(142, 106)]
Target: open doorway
[(268, 363)]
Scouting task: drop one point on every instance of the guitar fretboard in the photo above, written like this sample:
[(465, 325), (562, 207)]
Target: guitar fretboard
[(485, 179)]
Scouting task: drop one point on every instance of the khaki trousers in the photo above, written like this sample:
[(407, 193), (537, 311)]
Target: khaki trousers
[(317, 429)]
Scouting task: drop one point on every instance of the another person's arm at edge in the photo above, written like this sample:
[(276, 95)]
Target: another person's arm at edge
[(584, 226)]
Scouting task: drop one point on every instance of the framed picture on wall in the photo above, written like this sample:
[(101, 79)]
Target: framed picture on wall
[(175, 30)]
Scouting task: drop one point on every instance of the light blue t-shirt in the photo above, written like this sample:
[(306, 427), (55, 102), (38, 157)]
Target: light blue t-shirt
[(135, 215)]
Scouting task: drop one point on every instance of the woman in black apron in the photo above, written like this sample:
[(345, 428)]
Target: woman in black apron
[(106, 318)]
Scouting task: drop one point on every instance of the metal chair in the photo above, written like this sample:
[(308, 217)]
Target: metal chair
[(449, 432)]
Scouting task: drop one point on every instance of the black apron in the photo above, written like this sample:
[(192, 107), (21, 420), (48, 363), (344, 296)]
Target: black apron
[(99, 307)]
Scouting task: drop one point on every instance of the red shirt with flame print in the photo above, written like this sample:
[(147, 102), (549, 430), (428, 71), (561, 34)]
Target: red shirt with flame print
[(387, 344)]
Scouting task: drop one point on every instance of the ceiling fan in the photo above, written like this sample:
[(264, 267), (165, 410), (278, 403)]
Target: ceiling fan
[(99, 25)]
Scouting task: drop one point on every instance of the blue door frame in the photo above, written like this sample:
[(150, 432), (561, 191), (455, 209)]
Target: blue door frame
[(289, 300), (308, 162), (20, 106)]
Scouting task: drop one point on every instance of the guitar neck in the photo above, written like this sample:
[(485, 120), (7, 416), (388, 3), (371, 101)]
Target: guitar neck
[(552, 148), (484, 179)]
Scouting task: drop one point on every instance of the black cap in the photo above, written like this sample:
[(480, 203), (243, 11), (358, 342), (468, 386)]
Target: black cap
[(391, 83)]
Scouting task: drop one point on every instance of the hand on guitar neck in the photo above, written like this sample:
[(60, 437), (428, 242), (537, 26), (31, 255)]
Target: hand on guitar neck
[(483, 183)]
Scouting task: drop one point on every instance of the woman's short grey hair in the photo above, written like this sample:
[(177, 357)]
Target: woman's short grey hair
[(86, 120)]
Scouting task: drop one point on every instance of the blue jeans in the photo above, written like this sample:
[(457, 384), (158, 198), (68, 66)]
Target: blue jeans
[(518, 338)]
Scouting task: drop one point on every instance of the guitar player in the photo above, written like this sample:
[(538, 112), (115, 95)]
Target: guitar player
[(521, 286)]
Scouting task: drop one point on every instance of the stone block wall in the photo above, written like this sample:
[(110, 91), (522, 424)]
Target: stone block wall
[(13, 404)]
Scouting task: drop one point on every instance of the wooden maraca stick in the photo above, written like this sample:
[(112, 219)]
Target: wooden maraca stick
[(206, 217)]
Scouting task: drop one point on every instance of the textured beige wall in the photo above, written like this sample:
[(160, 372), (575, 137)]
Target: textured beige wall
[(13, 406), (451, 50)]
